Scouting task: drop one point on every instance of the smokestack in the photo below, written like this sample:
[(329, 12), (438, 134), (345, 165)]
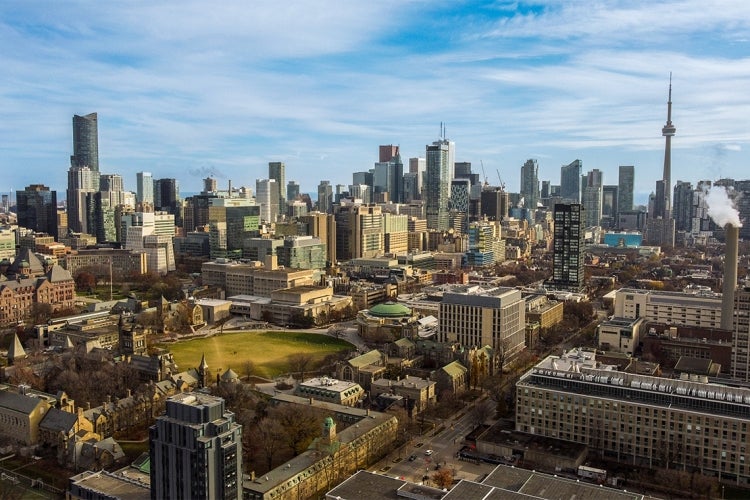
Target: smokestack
[(730, 277)]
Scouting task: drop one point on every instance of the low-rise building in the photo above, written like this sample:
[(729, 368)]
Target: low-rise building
[(340, 392), (419, 393), (620, 334)]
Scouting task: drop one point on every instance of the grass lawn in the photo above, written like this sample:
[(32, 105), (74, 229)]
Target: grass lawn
[(268, 351)]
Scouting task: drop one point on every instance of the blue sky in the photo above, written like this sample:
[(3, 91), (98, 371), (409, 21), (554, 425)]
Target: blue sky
[(185, 89)]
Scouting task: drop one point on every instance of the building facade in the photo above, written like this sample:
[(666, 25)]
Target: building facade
[(639, 419), (196, 450), (473, 316), (567, 247)]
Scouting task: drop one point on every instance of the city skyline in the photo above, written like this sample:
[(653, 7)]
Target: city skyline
[(186, 95)]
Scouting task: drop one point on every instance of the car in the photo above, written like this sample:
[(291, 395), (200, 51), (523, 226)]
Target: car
[(428, 452), (412, 458)]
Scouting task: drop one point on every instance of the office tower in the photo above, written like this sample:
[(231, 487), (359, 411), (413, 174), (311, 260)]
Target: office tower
[(144, 190), (418, 166), (325, 197), (388, 177), (82, 181), (36, 207), (292, 191), (437, 185), (387, 153), (567, 247), (495, 203), (341, 192), (196, 450), (364, 179), (530, 184), (663, 202), (625, 186), (570, 182), (592, 198), (277, 172), (360, 192), (485, 245), (85, 142), (167, 198), (267, 196), (411, 187), (210, 185)]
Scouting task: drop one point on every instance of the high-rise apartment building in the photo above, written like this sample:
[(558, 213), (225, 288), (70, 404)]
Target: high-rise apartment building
[(625, 187), (144, 192), (609, 205), (277, 172), (85, 142), (567, 247), (36, 206), (592, 192), (437, 184), (82, 182), (682, 209), (570, 182), (530, 183), (196, 450)]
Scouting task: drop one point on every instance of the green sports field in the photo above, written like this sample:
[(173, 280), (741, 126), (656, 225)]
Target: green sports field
[(268, 351)]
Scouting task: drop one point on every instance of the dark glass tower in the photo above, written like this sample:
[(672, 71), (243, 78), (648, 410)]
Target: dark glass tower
[(85, 142), (37, 209), (567, 247)]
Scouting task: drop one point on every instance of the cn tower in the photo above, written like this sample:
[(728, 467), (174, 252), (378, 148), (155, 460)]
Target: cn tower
[(668, 130)]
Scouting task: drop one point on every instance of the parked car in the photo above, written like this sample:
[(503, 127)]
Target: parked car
[(428, 452)]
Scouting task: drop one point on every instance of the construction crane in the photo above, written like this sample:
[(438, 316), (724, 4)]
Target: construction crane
[(502, 184), (484, 173)]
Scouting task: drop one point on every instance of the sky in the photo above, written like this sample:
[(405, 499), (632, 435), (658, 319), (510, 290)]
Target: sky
[(189, 89)]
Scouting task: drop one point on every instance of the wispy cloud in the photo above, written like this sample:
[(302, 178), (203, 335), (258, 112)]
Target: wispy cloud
[(182, 87)]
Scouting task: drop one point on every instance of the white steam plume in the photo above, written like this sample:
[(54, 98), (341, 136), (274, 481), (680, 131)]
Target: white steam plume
[(721, 208)]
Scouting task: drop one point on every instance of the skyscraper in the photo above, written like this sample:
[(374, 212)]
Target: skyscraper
[(267, 196), (277, 172), (167, 198), (292, 190), (388, 176), (85, 142), (592, 198), (144, 188), (625, 183), (570, 181), (325, 197), (437, 185), (82, 181), (196, 450), (567, 247), (37, 209), (530, 183)]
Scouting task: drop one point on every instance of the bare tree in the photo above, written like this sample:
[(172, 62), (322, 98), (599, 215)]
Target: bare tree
[(299, 362), (300, 426), (268, 437), (482, 411)]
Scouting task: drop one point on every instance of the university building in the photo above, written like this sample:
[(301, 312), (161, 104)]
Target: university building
[(640, 419)]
